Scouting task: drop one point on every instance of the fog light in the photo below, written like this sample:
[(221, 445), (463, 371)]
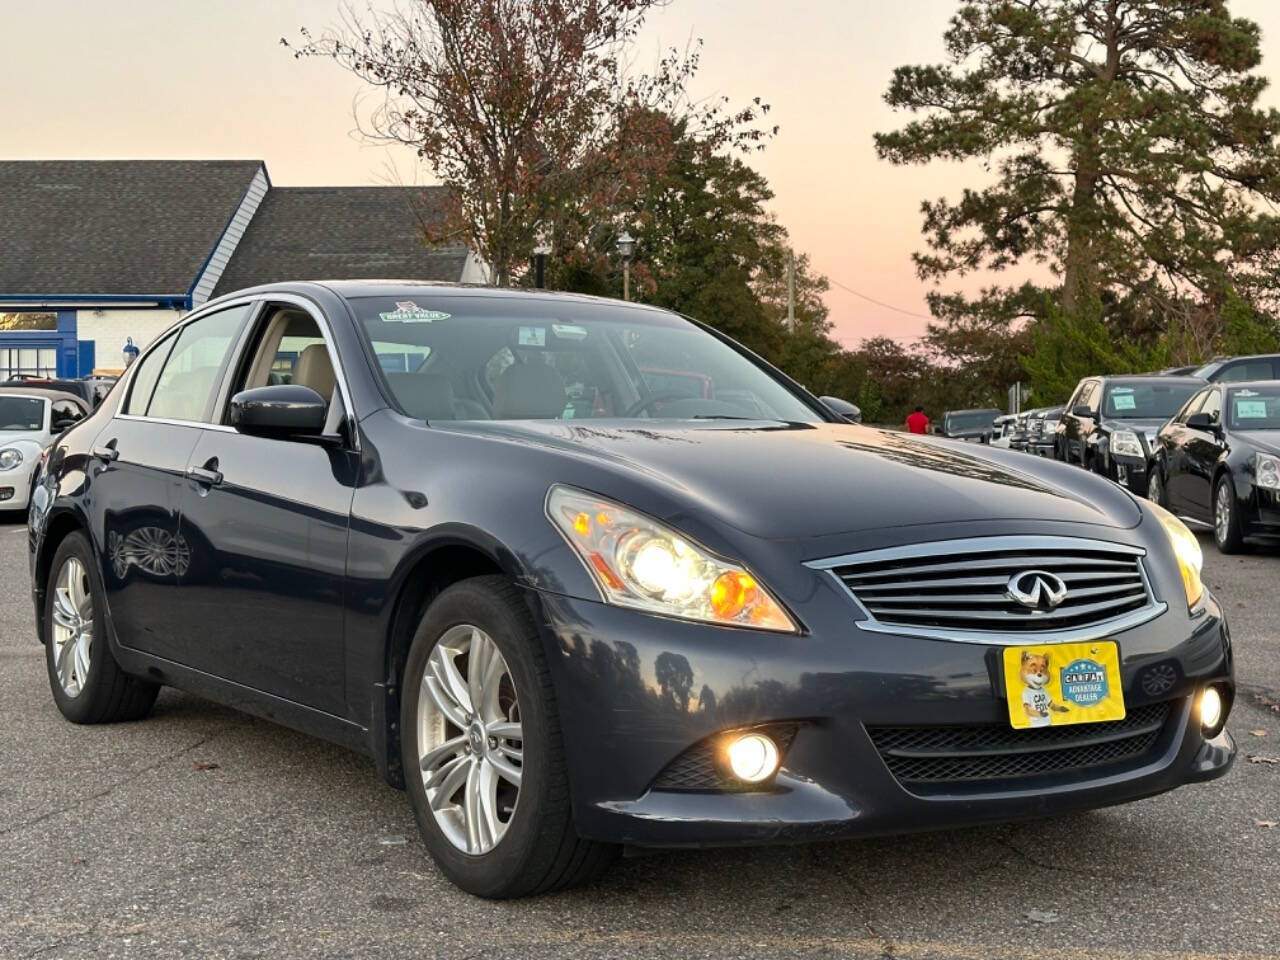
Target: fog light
[(1210, 708), (753, 757)]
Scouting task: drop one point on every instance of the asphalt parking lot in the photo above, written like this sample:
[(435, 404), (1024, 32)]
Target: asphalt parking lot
[(203, 832)]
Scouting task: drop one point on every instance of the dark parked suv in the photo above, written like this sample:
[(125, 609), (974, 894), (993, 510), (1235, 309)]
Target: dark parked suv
[(567, 609), (1236, 369), (1110, 423)]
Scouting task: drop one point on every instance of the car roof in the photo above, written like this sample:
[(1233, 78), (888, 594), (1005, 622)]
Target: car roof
[(1235, 384), (348, 289), (13, 390), (1150, 378), (1243, 356)]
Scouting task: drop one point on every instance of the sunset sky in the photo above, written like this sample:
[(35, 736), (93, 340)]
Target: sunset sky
[(187, 79)]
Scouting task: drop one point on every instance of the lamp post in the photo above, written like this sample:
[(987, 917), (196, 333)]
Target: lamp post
[(626, 250), (540, 254)]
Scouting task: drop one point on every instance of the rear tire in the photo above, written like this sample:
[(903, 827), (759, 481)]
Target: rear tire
[(88, 685), (458, 725), (1227, 531)]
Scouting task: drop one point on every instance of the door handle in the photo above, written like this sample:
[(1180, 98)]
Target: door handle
[(106, 453), (204, 476)]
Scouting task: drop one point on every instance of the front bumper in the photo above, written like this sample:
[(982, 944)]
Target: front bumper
[(15, 488), (1130, 473), (635, 692)]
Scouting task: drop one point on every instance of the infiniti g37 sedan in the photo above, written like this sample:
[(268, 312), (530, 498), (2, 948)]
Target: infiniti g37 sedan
[(569, 609)]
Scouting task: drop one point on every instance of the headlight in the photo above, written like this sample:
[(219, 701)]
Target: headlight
[(1125, 443), (1187, 550), (638, 562), (1266, 471), (10, 458)]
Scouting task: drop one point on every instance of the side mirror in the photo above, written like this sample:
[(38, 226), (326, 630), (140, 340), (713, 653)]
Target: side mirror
[(1202, 421), (843, 409), (284, 410), (1081, 411)]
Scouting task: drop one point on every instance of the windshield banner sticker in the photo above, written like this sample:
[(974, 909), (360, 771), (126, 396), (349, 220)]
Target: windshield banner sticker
[(407, 311)]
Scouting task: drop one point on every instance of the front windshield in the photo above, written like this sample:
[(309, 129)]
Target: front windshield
[(972, 420), (503, 358), (1255, 408), (1154, 400), (21, 414)]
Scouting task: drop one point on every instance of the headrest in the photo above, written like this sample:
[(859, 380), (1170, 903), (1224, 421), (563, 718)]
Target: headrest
[(426, 396), (528, 391), (313, 369)]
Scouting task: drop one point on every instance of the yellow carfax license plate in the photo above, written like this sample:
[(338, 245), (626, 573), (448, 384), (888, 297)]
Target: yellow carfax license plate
[(1062, 683)]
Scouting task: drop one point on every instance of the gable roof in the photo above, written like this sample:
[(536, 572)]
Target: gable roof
[(114, 227), (359, 233)]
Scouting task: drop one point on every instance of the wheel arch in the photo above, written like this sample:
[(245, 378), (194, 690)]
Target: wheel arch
[(57, 527), (446, 558)]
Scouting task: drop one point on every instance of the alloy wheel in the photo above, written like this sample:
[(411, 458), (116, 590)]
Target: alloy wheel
[(470, 742), (1222, 513), (72, 626)]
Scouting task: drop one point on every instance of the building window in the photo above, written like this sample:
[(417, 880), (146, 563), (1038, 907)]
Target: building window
[(28, 321), (28, 361)]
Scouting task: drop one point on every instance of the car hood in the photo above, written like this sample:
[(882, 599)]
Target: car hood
[(785, 481), (1148, 426), (13, 438), (1264, 441)]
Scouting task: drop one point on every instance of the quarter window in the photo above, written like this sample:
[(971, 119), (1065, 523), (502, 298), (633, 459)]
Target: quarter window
[(144, 379), (186, 385), (1213, 404), (1193, 406)]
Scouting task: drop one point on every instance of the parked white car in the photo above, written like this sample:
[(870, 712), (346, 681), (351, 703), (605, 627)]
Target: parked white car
[(29, 420)]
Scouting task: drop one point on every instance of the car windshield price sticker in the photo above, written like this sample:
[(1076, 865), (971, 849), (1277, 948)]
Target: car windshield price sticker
[(407, 311), (1123, 401), (1251, 409), (1064, 683)]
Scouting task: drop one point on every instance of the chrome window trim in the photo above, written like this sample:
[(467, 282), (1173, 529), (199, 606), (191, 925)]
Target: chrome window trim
[(264, 298), (1094, 631)]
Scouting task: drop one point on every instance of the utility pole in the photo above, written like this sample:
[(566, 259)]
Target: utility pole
[(791, 290)]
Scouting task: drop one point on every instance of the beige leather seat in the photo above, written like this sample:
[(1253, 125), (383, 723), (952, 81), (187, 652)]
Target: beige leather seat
[(313, 369)]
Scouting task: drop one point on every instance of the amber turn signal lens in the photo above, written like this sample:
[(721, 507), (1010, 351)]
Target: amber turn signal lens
[(731, 593)]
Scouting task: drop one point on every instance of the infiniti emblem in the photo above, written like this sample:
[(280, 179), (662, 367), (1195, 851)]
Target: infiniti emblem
[(1037, 589)]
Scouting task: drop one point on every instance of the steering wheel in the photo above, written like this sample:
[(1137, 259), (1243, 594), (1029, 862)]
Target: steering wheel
[(644, 403)]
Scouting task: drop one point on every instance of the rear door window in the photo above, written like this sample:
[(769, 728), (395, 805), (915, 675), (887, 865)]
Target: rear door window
[(193, 370)]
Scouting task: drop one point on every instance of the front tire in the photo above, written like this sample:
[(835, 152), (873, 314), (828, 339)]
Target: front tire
[(1227, 531), (481, 747), (1155, 487), (88, 685)]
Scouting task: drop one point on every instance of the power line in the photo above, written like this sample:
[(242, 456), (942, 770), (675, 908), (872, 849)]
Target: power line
[(879, 303)]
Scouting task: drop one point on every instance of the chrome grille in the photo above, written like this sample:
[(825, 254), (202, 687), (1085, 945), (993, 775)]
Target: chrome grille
[(952, 589)]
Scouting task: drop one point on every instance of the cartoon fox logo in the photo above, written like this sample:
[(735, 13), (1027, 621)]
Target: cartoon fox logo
[(1034, 670)]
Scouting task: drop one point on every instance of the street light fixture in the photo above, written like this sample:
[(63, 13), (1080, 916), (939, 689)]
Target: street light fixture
[(626, 250)]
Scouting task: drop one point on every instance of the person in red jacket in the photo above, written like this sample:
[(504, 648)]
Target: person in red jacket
[(917, 422)]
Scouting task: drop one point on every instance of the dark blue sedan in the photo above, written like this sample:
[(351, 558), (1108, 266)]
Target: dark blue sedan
[(580, 574)]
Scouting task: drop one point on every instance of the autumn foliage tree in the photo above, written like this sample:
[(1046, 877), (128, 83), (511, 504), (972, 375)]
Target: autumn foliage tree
[(1131, 160), (525, 109)]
